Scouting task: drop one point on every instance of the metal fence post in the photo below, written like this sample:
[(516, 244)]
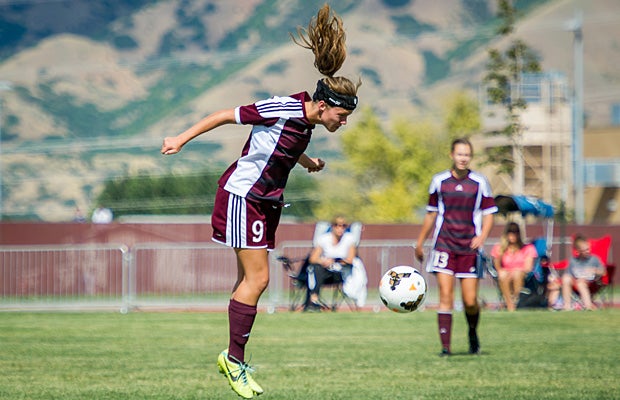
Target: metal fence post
[(127, 297)]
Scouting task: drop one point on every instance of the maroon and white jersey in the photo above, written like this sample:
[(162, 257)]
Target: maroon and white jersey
[(460, 205), (280, 135)]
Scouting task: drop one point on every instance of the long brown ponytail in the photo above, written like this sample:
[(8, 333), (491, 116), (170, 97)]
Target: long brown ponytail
[(326, 37)]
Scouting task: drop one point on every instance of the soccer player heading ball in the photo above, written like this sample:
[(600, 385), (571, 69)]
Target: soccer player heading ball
[(249, 198)]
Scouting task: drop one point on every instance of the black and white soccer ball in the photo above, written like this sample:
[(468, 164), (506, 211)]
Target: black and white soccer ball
[(402, 289)]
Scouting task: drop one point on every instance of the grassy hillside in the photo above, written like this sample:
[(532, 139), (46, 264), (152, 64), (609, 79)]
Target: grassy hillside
[(93, 95)]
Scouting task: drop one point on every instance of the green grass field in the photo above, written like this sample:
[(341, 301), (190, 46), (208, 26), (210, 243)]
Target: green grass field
[(343, 355)]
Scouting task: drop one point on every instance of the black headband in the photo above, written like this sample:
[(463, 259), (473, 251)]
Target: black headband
[(323, 92)]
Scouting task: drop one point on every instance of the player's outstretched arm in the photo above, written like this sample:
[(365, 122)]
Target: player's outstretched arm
[(311, 164), (173, 145)]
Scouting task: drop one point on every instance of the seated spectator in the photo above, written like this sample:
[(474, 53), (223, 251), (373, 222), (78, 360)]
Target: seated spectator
[(330, 261), (582, 269), (79, 215), (512, 259)]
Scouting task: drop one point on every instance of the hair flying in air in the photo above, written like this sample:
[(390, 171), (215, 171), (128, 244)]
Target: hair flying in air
[(326, 37)]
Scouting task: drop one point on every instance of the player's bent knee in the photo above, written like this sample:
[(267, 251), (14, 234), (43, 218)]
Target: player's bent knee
[(260, 283)]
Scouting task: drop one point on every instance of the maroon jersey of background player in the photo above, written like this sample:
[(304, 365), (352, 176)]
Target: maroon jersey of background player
[(460, 204)]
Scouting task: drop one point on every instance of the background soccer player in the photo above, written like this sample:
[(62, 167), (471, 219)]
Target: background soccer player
[(461, 209), (249, 199)]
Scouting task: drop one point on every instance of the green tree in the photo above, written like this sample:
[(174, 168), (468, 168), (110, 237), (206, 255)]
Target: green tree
[(168, 194), (301, 195), (385, 174), (504, 74), (462, 115), (191, 194)]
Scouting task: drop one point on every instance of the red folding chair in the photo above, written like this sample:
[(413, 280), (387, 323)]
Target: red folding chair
[(604, 287)]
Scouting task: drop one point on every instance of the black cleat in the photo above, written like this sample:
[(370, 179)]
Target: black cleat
[(445, 353), (312, 307), (474, 344)]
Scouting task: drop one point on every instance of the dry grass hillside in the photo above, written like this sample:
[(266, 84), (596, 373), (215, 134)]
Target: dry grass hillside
[(48, 168)]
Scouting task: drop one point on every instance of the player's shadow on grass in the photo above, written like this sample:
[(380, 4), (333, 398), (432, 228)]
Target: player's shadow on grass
[(466, 354)]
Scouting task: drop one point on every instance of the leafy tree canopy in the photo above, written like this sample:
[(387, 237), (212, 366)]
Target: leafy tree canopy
[(504, 74), (385, 173)]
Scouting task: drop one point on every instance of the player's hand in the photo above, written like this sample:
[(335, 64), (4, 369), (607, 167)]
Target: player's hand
[(419, 254), (171, 145), (327, 262), (318, 165), (476, 242)]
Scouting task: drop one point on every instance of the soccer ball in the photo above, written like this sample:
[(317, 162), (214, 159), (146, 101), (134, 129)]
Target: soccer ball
[(402, 289)]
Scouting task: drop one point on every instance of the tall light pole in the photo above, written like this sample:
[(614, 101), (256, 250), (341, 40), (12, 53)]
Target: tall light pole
[(4, 86), (575, 26)]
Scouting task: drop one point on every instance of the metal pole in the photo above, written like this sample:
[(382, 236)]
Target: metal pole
[(1, 205), (4, 86), (578, 118)]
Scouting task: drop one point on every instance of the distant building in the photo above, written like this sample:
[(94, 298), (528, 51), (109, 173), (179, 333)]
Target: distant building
[(602, 175), (546, 168)]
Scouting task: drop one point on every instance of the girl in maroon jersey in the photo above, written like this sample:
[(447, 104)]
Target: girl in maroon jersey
[(249, 199), (461, 209)]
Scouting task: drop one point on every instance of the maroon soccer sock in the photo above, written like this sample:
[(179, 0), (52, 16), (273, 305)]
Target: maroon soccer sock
[(444, 321), (240, 320)]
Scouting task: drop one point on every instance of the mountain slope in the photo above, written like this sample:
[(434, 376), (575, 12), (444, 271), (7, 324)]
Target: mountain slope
[(95, 103)]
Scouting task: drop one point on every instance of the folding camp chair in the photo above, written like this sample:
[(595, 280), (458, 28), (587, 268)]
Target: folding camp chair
[(297, 270), (534, 291), (603, 288)]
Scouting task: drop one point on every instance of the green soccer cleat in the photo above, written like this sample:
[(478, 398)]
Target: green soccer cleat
[(256, 388), (239, 376)]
